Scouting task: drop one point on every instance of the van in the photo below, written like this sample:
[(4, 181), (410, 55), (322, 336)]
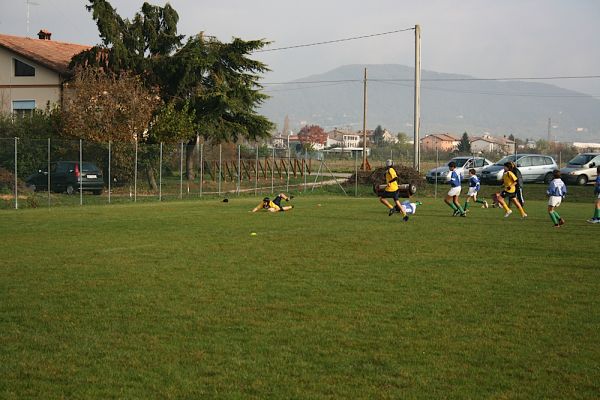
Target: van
[(533, 167), (581, 169), (67, 176)]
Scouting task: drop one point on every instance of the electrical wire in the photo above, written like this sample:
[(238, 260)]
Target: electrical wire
[(334, 41)]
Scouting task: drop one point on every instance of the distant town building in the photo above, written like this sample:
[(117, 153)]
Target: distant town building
[(439, 141), (492, 144), (586, 146)]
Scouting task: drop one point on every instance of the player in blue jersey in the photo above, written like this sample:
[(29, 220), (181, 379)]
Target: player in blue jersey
[(557, 190), (474, 186), (452, 196), (411, 208), (596, 218)]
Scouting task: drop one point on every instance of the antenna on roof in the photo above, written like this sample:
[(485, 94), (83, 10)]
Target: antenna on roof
[(29, 3)]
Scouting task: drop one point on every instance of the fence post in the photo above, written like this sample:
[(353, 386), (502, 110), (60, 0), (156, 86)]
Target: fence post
[(49, 202), (16, 176), (304, 168), (239, 170), (201, 167), (273, 173), (356, 174), (135, 172), (160, 157), (220, 156), (109, 170), (80, 172), (256, 173), (181, 171), (437, 165)]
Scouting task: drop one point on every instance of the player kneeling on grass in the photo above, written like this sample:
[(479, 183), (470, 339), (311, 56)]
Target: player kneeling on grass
[(509, 180), (391, 191), (596, 218), (557, 190), (452, 196), (274, 205), (474, 186)]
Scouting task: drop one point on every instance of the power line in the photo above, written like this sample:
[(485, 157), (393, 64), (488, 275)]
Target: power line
[(334, 41), (435, 80)]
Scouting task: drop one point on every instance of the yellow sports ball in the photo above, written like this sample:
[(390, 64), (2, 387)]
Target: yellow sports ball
[(253, 234)]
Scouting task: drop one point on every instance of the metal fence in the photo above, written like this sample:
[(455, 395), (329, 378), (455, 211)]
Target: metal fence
[(134, 172)]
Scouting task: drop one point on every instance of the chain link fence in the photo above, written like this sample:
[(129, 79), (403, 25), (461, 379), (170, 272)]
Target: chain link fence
[(52, 172)]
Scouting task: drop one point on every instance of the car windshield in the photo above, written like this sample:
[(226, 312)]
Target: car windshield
[(581, 159), (459, 161), (506, 159)]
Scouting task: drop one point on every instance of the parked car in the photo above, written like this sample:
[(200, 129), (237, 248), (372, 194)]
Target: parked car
[(581, 169), (67, 176), (533, 167), (463, 165)]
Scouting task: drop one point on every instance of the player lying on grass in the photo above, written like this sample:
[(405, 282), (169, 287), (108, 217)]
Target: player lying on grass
[(411, 208), (275, 204)]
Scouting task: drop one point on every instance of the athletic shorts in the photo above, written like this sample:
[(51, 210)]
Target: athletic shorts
[(472, 192), (455, 191), (390, 195), (277, 202), (506, 194), (554, 201)]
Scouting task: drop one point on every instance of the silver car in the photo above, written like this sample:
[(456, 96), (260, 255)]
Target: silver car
[(463, 165), (581, 169), (533, 167)]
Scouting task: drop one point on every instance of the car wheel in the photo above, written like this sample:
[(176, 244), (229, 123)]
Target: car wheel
[(582, 180), (70, 189), (548, 177)]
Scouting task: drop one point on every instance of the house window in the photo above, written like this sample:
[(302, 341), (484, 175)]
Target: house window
[(22, 69), (22, 108)]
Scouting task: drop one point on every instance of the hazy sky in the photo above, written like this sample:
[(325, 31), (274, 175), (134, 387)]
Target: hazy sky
[(483, 38)]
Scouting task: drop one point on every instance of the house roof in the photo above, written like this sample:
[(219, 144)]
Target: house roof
[(442, 136), (49, 53)]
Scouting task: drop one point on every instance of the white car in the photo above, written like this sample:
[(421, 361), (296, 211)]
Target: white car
[(581, 169), (463, 165)]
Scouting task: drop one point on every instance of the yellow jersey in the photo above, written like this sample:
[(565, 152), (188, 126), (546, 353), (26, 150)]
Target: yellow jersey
[(389, 176), (510, 180)]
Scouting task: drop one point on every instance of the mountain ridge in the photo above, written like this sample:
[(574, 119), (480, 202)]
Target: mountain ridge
[(452, 103)]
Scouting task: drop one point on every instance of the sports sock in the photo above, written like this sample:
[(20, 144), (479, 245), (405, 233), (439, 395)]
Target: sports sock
[(557, 215), (459, 208), (505, 206), (452, 206), (553, 217), (480, 201), (466, 205), (597, 213)]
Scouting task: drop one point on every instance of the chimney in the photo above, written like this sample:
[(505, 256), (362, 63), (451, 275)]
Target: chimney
[(44, 34)]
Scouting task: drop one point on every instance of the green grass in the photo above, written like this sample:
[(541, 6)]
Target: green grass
[(331, 300)]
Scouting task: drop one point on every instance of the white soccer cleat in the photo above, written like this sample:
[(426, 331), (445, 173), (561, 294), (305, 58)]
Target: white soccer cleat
[(507, 213)]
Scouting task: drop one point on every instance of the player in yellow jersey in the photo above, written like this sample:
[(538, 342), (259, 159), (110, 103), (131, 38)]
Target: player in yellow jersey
[(275, 204), (509, 183), (391, 191)]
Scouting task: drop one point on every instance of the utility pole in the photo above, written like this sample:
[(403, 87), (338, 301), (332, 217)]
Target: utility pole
[(549, 130), (417, 106), (365, 165)]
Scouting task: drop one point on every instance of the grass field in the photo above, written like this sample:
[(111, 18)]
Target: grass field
[(331, 300)]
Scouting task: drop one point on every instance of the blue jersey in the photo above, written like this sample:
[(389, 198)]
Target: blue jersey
[(455, 179), (557, 188), (597, 185), (474, 183)]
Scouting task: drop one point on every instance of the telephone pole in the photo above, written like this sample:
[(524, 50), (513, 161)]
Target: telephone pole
[(417, 107), (365, 166)]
